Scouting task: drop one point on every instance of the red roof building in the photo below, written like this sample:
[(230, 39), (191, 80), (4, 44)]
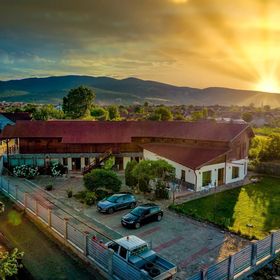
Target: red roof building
[(190, 147)]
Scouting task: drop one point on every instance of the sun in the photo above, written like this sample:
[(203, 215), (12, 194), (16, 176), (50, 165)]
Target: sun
[(268, 85)]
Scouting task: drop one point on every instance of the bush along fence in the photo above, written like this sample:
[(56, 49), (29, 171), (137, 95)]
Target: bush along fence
[(81, 241), (244, 262)]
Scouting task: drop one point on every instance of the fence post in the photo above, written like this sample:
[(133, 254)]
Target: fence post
[(254, 254), (86, 233), (50, 217), (272, 245), (110, 264), (203, 275), (16, 189), (36, 207), (66, 228), (231, 267), (25, 199)]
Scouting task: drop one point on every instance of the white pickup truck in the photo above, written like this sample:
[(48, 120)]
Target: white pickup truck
[(137, 252)]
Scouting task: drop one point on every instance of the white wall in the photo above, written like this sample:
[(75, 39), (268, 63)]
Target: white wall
[(195, 177), (125, 161), (214, 174), (190, 176), (242, 164)]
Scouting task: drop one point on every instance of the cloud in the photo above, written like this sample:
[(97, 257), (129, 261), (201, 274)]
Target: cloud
[(171, 40)]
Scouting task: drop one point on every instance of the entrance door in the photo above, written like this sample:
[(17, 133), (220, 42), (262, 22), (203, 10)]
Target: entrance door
[(76, 164), (221, 172)]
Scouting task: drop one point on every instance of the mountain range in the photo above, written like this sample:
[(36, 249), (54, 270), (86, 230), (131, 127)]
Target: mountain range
[(129, 91)]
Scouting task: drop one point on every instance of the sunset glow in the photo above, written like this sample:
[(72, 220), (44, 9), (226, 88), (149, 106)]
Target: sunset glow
[(198, 43), (269, 85)]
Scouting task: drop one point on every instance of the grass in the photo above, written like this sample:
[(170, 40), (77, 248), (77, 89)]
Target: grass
[(251, 211)]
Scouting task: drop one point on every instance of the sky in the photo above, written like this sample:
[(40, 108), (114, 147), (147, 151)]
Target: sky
[(197, 43)]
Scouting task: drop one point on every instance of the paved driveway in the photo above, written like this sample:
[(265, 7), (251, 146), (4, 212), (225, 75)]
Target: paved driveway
[(189, 244)]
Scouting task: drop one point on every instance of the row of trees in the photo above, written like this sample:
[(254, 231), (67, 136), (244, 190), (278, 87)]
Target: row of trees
[(80, 104)]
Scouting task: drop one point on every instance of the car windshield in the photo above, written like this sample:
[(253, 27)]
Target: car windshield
[(138, 211), (138, 251), (112, 198)]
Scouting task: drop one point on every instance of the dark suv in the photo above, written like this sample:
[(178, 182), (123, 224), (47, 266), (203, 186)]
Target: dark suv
[(116, 202), (142, 214)]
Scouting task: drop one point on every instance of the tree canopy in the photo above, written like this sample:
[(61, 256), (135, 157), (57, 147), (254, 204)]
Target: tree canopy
[(102, 179), (100, 114), (164, 113), (147, 170), (47, 112), (114, 113), (78, 102)]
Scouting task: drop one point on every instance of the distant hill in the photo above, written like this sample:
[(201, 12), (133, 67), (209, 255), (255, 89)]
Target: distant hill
[(128, 91)]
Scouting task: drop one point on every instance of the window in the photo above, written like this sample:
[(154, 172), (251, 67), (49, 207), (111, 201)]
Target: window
[(138, 251), (123, 252), (235, 172), (206, 178), (114, 246)]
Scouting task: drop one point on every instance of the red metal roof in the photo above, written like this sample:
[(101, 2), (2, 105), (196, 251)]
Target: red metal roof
[(122, 132), (190, 157)]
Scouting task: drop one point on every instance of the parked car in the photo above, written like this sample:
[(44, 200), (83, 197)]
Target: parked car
[(131, 249), (142, 214), (116, 202)]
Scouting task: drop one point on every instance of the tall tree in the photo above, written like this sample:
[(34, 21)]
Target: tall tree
[(114, 113), (78, 102), (165, 113)]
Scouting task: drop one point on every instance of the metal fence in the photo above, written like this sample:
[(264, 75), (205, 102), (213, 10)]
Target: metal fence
[(243, 262), (70, 230), (248, 259)]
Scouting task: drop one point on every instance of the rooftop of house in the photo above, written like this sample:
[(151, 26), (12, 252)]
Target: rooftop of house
[(190, 157), (88, 132), (14, 117)]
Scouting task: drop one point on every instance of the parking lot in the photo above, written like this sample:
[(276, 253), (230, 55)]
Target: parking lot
[(189, 244)]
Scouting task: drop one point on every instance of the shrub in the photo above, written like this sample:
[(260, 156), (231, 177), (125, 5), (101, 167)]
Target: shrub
[(161, 191), (49, 187), (25, 171), (144, 185), (80, 196), (100, 194), (90, 198), (57, 169), (10, 263), (69, 193), (102, 179), (130, 180)]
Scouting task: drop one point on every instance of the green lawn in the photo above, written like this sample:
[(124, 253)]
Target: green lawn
[(252, 211)]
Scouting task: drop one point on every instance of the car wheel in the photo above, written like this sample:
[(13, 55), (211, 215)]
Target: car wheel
[(132, 205), (111, 210), (137, 225), (154, 272), (159, 217)]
